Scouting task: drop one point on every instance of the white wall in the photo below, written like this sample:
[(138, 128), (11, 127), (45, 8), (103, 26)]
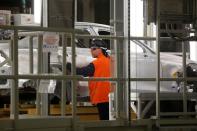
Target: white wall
[(37, 11), (136, 17), (193, 50)]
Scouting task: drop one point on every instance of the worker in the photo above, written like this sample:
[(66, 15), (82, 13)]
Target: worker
[(100, 67)]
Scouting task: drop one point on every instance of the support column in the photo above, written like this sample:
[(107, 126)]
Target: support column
[(118, 20)]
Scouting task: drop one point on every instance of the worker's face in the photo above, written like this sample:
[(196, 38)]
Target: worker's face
[(95, 52)]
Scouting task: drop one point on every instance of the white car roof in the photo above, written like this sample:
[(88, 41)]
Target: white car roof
[(92, 24)]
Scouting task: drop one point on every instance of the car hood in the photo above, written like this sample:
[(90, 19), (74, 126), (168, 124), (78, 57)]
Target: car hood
[(168, 58), (172, 64)]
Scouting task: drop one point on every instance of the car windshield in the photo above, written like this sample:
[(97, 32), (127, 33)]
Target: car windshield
[(83, 42), (140, 46)]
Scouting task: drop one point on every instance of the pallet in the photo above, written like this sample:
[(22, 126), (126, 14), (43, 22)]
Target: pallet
[(84, 112)]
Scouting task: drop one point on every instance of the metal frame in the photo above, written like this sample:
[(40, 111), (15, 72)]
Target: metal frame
[(158, 61), (17, 119), (117, 21)]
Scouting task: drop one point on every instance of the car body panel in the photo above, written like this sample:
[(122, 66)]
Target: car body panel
[(143, 64)]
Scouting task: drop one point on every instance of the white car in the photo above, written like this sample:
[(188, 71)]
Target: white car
[(143, 63)]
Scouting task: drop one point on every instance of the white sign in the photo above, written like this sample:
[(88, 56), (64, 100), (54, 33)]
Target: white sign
[(47, 86), (50, 42)]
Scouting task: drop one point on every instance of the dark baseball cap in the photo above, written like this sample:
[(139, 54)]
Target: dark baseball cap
[(96, 43)]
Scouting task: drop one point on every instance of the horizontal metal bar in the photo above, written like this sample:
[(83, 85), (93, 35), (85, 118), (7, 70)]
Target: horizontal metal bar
[(81, 78), (187, 126), (35, 28), (177, 113), (143, 79), (7, 77), (37, 33), (175, 31), (172, 79), (183, 121), (100, 36), (114, 37), (179, 79), (42, 76), (191, 78), (164, 96), (76, 77), (50, 76), (109, 37), (4, 41), (102, 123)]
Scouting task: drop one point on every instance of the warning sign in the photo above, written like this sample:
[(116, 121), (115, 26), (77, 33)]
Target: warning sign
[(50, 42)]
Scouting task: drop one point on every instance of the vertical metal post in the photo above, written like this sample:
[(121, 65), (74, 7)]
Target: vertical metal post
[(38, 97), (145, 6), (125, 69), (11, 55), (44, 20), (74, 82), (113, 96), (119, 95), (127, 33), (11, 51), (14, 88), (119, 47), (184, 77), (44, 96), (63, 89), (45, 61), (139, 107), (75, 10), (117, 21), (116, 100), (31, 63), (158, 61)]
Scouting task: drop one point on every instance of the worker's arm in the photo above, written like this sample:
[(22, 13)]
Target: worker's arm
[(85, 71)]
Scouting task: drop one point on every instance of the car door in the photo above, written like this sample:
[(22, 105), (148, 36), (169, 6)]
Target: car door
[(143, 65)]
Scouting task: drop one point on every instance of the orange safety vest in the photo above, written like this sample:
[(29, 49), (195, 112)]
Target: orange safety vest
[(99, 90)]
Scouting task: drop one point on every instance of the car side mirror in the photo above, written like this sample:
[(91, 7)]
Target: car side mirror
[(145, 55)]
